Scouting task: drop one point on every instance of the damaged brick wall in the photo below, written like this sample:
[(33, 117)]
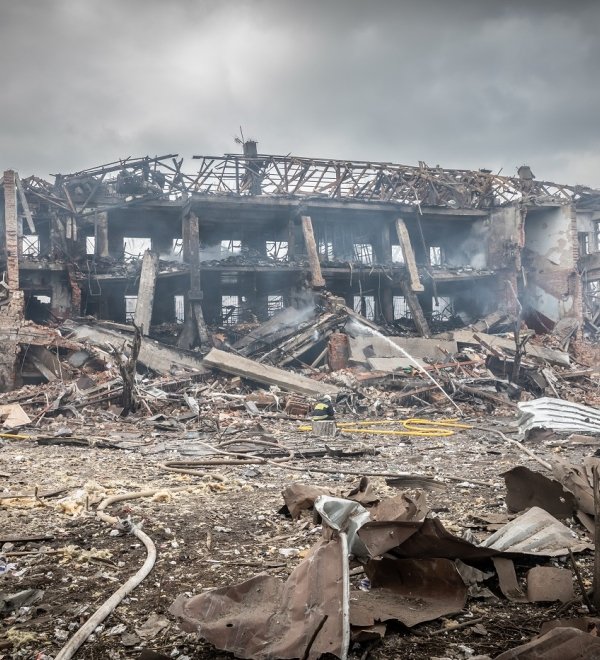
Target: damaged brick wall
[(11, 318)]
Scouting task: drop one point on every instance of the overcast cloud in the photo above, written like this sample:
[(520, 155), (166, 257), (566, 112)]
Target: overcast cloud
[(460, 83)]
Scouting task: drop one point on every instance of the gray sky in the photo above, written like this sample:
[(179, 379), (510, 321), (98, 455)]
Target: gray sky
[(459, 83)]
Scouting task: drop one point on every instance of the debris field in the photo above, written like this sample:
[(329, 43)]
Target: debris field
[(164, 489)]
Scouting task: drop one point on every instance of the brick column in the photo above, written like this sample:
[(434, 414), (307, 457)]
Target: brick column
[(11, 230)]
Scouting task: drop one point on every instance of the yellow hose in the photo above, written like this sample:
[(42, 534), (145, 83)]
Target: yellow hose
[(424, 428)]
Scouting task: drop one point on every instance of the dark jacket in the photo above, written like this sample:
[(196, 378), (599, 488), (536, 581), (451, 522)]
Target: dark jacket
[(322, 411)]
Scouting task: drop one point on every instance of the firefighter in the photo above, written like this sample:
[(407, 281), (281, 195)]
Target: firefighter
[(323, 410)]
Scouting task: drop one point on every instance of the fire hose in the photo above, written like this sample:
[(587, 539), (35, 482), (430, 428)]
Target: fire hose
[(423, 428), (109, 605)]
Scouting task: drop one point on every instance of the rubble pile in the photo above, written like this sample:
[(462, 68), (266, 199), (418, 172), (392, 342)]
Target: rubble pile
[(455, 492)]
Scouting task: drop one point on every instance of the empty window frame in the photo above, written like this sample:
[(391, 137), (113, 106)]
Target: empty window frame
[(592, 292), (365, 305), (232, 246), (277, 250), (435, 255), (177, 248), (597, 237), (363, 252), (90, 245), (134, 247), (30, 245), (179, 304), (401, 309), (325, 249), (130, 305), (443, 310), (274, 304), (397, 254), (230, 309), (584, 243)]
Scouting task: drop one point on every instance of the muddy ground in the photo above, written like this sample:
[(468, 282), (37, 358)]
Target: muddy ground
[(216, 533)]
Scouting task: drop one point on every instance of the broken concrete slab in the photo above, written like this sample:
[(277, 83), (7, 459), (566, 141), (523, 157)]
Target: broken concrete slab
[(159, 357), (380, 347), (392, 364), (466, 337), (262, 373)]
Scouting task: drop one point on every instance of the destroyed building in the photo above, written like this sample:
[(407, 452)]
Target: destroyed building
[(180, 249), (166, 329)]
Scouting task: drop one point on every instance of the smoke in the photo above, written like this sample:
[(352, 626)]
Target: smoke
[(173, 255), (472, 251), (301, 312)]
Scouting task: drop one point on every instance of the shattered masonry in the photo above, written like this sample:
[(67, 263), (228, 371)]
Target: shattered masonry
[(238, 237)]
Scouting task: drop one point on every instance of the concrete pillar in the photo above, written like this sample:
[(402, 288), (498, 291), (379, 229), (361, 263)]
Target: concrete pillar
[(409, 255), (383, 245), (60, 304), (316, 276), (291, 239), (387, 302), (145, 296), (185, 237), (102, 235)]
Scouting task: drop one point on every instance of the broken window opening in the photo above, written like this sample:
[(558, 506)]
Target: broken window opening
[(230, 309), (274, 304), (397, 254), (365, 306), (435, 255), (401, 310), (325, 249), (130, 305), (443, 310), (363, 252), (134, 248), (30, 245), (277, 250), (177, 248), (90, 245), (597, 236), (233, 246), (179, 302)]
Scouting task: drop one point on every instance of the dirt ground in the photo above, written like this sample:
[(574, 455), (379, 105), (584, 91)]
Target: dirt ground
[(217, 533)]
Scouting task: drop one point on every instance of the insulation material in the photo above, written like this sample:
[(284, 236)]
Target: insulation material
[(13, 416)]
